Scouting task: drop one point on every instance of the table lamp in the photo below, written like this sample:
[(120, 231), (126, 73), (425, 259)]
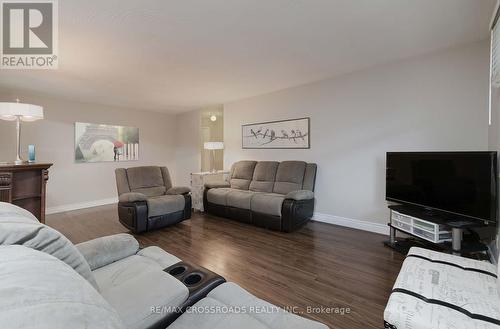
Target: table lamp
[(213, 146), (20, 112)]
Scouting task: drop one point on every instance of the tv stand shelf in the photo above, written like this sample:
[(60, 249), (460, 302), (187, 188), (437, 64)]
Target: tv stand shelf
[(445, 233)]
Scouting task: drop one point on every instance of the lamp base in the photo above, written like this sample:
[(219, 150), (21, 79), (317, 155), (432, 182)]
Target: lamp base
[(20, 162)]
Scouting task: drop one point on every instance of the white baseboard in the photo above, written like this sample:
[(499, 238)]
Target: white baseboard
[(352, 223), (319, 217), (80, 205)]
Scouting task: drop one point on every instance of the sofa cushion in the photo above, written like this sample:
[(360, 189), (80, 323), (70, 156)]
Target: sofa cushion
[(300, 195), (146, 176), (165, 204), (151, 191), (240, 184), (40, 291), (20, 228), (218, 195), (267, 203), (132, 197), (289, 176), (108, 249), (264, 176), (135, 285), (160, 256), (178, 190), (217, 185), (241, 174), (239, 199), (236, 308)]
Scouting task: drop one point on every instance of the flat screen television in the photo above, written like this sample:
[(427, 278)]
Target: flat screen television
[(459, 184)]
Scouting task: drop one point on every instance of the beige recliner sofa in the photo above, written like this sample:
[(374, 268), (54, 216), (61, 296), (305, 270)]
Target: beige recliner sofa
[(49, 283), (270, 194)]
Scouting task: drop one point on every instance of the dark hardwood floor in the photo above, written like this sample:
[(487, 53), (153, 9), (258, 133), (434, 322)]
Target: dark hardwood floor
[(318, 266)]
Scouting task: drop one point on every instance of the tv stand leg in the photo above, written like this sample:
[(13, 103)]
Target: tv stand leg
[(392, 235), (456, 240)]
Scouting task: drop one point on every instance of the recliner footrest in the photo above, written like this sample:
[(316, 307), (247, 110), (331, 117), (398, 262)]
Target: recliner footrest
[(230, 306)]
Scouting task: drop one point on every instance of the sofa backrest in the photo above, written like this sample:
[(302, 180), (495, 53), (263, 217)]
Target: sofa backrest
[(264, 176), (241, 174), (40, 291), (148, 180), (289, 176), (19, 228), (310, 177), (272, 176)]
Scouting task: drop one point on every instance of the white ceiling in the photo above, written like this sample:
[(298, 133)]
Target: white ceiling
[(172, 56)]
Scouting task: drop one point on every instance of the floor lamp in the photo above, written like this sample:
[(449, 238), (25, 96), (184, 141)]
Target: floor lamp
[(213, 146), (20, 112)]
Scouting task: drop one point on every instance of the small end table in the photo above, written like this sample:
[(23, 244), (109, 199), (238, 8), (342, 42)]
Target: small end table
[(198, 181)]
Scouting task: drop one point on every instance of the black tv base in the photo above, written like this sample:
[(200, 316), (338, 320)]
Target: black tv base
[(468, 247), (474, 250), (403, 245)]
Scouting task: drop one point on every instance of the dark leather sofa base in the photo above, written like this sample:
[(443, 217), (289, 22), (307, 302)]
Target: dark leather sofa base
[(199, 281), (134, 216), (294, 214), (214, 209), (241, 215), (130, 212), (158, 222), (266, 221)]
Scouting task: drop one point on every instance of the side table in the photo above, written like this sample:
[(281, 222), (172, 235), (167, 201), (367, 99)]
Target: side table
[(198, 181)]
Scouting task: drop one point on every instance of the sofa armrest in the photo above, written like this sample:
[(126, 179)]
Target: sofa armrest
[(300, 195), (178, 190), (132, 197), (217, 185), (108, 249)]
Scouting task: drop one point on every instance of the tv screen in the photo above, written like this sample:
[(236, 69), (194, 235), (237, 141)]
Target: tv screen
[(459, 183)]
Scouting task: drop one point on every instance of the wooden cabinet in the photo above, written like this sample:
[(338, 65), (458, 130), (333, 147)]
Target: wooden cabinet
[(24, 185)]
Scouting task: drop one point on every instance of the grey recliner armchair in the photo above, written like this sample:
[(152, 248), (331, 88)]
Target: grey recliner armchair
[(147, 200)]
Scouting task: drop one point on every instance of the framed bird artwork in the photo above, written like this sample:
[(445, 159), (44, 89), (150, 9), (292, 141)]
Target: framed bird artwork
[(283, 134)]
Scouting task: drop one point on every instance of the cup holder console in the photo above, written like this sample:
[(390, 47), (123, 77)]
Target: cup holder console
[(197, 279), (192, 279), (177, 270)]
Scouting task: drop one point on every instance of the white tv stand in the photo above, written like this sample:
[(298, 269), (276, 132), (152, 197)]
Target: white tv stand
[(445, 234)]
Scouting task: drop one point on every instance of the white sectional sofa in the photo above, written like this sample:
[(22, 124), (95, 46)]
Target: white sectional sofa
[(436, 290), (109, 282)]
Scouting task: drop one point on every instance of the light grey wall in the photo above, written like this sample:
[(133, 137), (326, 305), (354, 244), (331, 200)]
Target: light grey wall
[(434, 102), (494, 141), (72, 183)]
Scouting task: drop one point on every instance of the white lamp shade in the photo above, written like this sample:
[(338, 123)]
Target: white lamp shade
[(25, 112), (213, 145)]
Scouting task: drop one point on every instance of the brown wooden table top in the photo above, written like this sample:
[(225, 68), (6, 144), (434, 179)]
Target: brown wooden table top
[(24, 166)]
